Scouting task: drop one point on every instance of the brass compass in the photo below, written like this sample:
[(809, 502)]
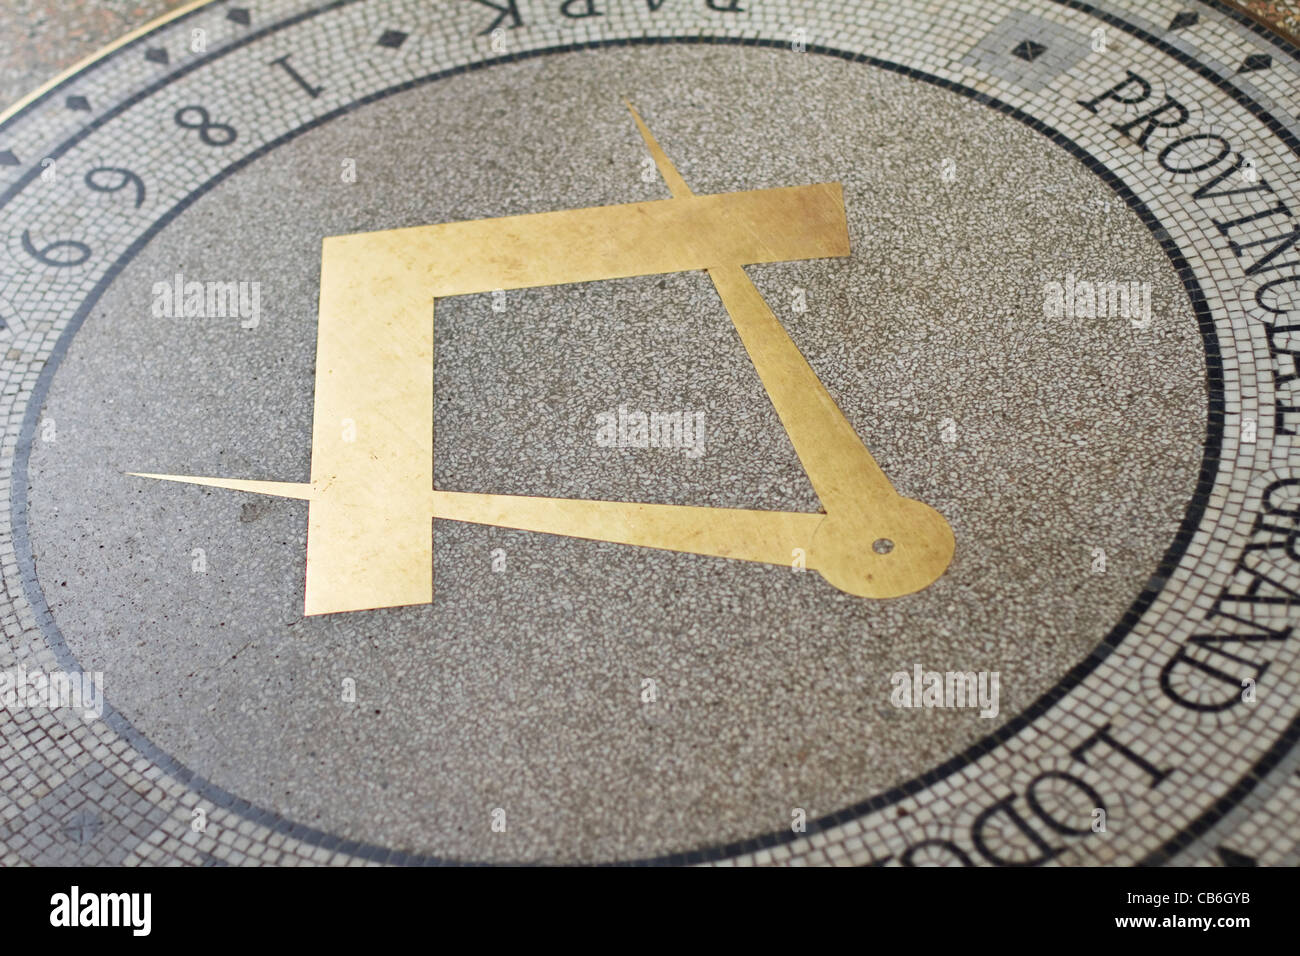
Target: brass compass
[(371, 492)]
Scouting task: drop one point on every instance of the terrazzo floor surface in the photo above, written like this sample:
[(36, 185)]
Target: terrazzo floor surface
[(1106, 476)]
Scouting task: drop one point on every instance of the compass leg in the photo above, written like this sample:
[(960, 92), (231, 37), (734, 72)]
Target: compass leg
[(369, 533)]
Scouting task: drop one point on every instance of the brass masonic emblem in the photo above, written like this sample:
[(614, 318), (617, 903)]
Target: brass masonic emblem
[(369, 540)]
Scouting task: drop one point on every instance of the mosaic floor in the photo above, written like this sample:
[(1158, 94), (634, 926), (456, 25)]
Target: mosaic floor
[(1066, 322)]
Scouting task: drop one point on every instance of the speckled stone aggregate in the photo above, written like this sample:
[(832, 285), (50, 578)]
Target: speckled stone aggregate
[(40, 38), (519, 689)]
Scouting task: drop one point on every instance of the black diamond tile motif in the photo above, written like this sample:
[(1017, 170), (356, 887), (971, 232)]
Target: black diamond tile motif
[(392, 39), (1185, 19), (7, 158), (77, 103), (1256, 61), (239, 15), (1028, 50), (156, 55)]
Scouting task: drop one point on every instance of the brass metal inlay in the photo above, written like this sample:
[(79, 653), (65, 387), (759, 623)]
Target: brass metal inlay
[(371, 494)]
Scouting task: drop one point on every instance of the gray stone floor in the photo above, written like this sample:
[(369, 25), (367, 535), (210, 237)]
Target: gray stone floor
[(521, 687), (1043, 440), (41, 38)]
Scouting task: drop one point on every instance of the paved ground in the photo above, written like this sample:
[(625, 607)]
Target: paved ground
[(1097, 469), (41, 38)]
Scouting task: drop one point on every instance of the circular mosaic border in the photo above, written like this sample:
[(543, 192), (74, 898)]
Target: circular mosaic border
[(1170, 561), (1191, 519)]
